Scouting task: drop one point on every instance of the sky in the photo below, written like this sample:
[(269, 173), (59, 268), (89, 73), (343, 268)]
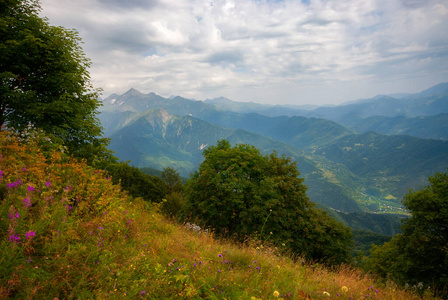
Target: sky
[(267, 51)]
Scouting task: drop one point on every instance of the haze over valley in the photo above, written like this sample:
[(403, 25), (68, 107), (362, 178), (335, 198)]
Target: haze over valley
[(361, 156)]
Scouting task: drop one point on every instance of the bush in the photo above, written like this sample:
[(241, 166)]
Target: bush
[(173, 205), (419, 256), (239, 191)]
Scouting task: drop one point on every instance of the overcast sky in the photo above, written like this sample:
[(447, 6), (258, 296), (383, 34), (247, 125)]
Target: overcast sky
[(266, 51)]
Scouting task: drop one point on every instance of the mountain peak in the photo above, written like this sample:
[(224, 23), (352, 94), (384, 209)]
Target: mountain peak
[(132, 92), (437, 89)]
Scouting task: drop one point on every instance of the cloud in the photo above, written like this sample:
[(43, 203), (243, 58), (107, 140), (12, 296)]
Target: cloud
[(247, 50)]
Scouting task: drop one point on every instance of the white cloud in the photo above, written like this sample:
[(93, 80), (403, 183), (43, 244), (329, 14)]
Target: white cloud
[(249, 50)]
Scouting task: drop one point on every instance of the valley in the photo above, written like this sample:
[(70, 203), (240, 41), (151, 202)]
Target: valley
[(359, 157)]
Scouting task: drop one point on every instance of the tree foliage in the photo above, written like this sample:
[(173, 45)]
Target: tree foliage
[(420, 254), (45, 80), (238, 190), (137, 183), (172, 178)]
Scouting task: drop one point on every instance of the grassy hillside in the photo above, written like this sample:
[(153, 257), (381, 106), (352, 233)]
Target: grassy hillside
[(67, 232)]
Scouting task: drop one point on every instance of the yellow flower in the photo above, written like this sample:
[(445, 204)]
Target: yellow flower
[(327, 294), (344, 289), (276, 294)]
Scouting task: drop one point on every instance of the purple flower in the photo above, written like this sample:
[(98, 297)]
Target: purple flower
[(47, 184), (27, 202), (14, 184), (14, 216), (219, 271), (143, 293), (14, 238), (30, 234), (30, 188), (220, 255), (24, 169), (1, 173)]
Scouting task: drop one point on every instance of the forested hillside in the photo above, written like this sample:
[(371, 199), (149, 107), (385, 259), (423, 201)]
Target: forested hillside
[(374, 179)]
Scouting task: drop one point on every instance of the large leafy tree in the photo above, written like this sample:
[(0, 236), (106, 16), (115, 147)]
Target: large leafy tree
[(420, 254), (241, 191), (45, 80)]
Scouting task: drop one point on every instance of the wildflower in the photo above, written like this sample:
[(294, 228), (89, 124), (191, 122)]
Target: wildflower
[(143, 293), (220, 255), (1, 173), (344, 289), (14, 184), (14, 216), (30, 234), (27, 202), (326, 294), (47, 184), (31, 188), (14, 238), (276, 294)]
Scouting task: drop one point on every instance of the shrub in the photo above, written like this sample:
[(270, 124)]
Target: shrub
[(238, 190)]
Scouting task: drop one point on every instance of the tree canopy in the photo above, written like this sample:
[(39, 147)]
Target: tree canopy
[(419, 256), (45, 80), (241, 191)]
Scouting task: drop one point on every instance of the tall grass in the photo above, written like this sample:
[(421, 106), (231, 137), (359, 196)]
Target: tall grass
[(66, 232)]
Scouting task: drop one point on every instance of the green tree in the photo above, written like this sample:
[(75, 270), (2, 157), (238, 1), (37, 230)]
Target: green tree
[(45, 80), (172, 178), (238, 190), (420, 254), (174, 202), (137, 183)]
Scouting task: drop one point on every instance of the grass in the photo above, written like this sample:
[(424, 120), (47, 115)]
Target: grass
[(66, 232)]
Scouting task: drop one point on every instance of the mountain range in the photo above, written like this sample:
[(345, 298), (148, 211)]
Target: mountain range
[(354, 157)]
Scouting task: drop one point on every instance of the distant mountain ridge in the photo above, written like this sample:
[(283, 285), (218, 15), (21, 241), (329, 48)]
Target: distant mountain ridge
[(156, 132), (263, 109), (430, 102)]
